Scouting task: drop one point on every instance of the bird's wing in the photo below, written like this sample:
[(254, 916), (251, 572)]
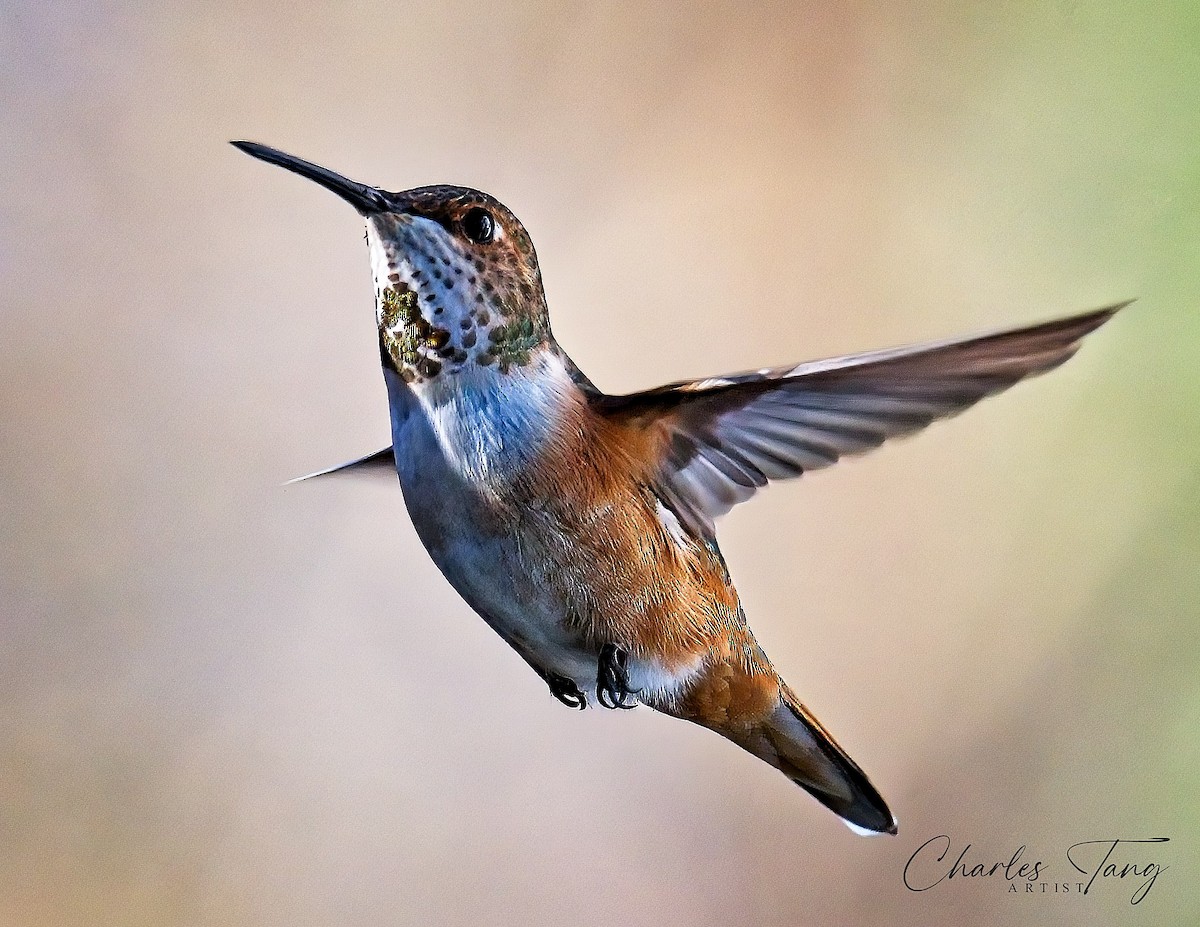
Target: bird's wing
[(381, 463), (722, 438)]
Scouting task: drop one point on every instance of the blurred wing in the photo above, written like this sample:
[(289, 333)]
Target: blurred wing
[(381, 463), (725, 437)]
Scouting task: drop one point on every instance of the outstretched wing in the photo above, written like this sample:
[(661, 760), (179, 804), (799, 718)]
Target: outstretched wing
[(381, 463), (725, 437)]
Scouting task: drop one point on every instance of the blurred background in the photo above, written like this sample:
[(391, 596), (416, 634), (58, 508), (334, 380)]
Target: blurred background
[(227, 702)]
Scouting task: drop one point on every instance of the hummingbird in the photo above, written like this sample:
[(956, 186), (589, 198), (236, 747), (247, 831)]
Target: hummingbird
[(581, 525)]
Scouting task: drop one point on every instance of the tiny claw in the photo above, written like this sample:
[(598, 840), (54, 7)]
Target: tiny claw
[(612, 679), (565, 690)]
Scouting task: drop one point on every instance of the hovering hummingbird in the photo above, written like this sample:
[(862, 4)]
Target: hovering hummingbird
[(580, 525)]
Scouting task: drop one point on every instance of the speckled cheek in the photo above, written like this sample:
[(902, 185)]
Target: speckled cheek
[(421, 292)]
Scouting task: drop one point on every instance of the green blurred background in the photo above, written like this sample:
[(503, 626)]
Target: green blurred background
[(225, 702)]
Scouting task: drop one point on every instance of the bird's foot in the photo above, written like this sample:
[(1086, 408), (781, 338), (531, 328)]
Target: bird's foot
[(612, 678), (565, 690)]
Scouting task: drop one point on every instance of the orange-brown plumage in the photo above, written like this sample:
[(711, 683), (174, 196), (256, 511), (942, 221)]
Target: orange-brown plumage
[(667, 597), (609, 548)]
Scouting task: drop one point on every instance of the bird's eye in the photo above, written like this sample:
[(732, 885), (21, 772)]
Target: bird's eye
[(479, 226)]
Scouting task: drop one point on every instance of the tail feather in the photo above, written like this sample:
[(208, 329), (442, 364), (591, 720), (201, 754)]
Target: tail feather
[(742, 698), (793, 741)]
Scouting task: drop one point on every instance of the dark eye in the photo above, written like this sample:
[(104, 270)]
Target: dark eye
[(479, 226)]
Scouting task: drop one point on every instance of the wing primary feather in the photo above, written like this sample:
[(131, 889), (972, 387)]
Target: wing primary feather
[(728, 436), (380, 463)]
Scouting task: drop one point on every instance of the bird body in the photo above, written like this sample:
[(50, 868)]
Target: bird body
[(581, 526), (541, 518), (542, 523)]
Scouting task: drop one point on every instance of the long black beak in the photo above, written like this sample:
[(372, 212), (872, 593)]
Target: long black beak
[(363, 198)]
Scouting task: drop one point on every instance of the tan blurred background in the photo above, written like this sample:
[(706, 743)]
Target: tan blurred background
[(224, 702)]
